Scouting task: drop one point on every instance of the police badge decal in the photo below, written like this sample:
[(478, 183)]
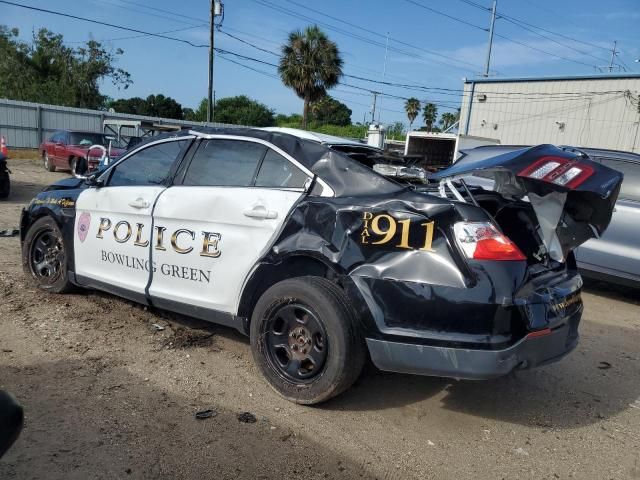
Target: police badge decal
[(83, 225)]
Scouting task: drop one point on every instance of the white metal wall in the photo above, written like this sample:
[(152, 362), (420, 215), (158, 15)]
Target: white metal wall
[(598, 112), (26, 124)]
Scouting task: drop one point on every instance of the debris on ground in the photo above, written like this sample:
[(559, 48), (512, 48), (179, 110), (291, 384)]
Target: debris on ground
[(188, 338), (246, 417), (604, 365), (203, 414), (159, 328)]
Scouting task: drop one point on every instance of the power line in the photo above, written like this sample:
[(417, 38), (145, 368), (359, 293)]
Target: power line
[(438, 12), (106, 24), (350, 34), (415, 87), (519, 22), (133, 9), (392, 39), (161, 10), (104, 40), (496, 34)]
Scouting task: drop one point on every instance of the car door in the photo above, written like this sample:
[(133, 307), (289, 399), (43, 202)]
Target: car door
[(60, 150), (113, 222), (50, 147), (616, 252), (222, 216)]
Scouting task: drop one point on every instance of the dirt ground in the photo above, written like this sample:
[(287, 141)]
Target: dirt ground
[(109, 395)]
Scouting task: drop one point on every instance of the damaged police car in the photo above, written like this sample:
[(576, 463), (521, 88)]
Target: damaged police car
[(322, 261)]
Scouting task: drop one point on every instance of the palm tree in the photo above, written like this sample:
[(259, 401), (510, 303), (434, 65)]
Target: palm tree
[(447, 119), (430, 114), (310, 64), (412, 107)]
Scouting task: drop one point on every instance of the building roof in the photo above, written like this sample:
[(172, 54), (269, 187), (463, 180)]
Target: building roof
[(608, 76)]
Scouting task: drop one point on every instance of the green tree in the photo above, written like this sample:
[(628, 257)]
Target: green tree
[(430, 115), (395, 131), (412, 107), (310, 64), (197, 115), (242, 110), (330, 111), (47, 71), (153, 106), (447, 119), (294, 120)]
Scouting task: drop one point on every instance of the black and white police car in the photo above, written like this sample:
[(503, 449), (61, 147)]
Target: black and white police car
[(322, 261)]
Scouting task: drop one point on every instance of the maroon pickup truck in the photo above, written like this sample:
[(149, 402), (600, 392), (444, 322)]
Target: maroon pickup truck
[(70, 150)]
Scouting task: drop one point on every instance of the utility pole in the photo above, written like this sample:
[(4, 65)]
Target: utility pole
[(493, 21), (216, 11), (384, 73), (613, 55), (373, 107), (212, 29)]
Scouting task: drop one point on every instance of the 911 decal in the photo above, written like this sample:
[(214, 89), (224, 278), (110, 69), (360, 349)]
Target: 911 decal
[(382, 228)]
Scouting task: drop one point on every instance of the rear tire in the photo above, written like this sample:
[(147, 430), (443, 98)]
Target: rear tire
[(48, 165), (44, 256), (306, 341)]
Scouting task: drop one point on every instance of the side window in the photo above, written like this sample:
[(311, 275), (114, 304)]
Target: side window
[(277, 171), (150, 166), (631, 183), (56, 137), (229, 163)]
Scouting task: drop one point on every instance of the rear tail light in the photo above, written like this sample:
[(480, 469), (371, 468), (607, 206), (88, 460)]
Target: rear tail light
[(559, 171), (483, 241)]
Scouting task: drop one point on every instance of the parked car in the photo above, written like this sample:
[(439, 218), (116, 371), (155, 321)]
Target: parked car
[(5, 180), (615, 256), (320, 260), (70, 150)]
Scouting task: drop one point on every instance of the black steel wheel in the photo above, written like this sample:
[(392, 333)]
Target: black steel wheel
[(296, 342), (44, 257), (305, 339)]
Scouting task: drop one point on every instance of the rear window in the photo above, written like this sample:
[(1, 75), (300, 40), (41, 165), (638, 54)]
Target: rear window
[(87, 139), (226, 163)]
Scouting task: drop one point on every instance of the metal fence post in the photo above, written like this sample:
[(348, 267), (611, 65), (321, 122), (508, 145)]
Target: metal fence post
[(39, 124)]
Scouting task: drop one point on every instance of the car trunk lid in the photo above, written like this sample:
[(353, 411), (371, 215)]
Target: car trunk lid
[(572, 196)]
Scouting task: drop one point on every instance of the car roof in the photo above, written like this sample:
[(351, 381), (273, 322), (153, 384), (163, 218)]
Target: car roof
[(318, 137), (344, 175)]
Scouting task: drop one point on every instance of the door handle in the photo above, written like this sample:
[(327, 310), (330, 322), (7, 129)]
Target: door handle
[(139, 203), (260, 212)]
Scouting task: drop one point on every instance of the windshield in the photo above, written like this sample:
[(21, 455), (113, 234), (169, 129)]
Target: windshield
[(88, 139)]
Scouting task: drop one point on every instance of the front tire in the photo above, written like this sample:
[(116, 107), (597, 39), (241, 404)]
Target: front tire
[(44, 256), (306, 341), (48, 165)]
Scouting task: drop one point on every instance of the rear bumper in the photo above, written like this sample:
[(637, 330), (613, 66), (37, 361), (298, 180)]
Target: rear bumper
[(471, 364)]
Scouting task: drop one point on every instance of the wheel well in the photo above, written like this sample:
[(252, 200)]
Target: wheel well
[(267, 275)]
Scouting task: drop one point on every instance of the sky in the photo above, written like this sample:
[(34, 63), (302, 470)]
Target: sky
[(426, 48)]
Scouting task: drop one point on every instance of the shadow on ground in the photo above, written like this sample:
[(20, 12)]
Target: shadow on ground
[(90, 419)]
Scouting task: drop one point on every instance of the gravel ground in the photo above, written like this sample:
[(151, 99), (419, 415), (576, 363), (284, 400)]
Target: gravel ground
[(109, 395)]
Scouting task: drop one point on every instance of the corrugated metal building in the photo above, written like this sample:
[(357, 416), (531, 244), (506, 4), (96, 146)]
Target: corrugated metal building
[(591, 111), (26, 124)]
